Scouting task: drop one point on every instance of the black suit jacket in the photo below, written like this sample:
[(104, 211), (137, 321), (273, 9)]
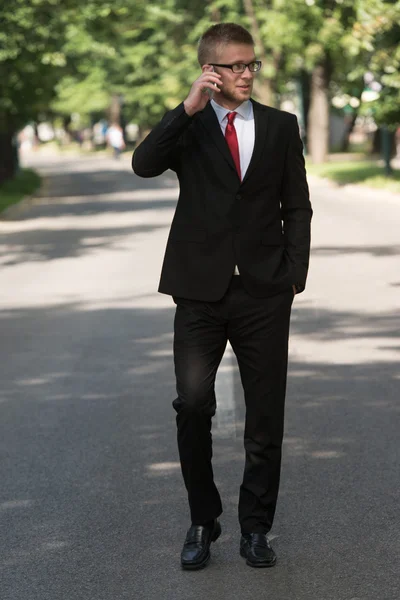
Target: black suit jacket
[(261, 224)]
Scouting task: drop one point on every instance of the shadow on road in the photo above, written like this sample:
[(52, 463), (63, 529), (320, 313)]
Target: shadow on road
[(51, 244), (89, 189), (92, 503), (80, 211)]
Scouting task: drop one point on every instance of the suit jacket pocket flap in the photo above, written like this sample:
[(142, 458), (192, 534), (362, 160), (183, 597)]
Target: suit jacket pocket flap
[(187, 233)]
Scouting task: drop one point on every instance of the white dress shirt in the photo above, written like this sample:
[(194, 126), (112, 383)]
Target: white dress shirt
[(245, 131)]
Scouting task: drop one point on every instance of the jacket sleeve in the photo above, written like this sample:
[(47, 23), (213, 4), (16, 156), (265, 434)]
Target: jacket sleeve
[(160, 150), (296, 209)]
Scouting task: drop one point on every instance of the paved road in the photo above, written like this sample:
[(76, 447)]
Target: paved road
[(91, 500)]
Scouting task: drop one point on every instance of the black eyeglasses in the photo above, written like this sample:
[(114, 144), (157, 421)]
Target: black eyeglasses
[(241, 67)]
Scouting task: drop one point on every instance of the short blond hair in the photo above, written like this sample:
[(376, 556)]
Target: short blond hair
[(221, 35)]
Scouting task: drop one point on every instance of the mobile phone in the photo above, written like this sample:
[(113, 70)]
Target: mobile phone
[(210, 92)]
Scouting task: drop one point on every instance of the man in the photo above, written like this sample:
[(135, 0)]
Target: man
[(115, 139), (237, 253)]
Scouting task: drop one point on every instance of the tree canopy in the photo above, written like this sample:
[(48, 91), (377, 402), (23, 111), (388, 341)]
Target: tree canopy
[(66, 56)]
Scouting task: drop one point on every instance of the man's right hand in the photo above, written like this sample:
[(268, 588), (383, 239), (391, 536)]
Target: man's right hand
[(199, 94)]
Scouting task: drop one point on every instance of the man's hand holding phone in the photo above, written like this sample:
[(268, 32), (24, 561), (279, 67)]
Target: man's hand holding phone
[(202, 90)]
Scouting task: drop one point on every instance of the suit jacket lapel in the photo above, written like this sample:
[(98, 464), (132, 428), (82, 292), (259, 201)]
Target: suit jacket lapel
[(209, 120), (261, 126)]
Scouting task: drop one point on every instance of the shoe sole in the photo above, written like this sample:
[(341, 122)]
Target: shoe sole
[(197, 566), (256, 565), (204, 562)]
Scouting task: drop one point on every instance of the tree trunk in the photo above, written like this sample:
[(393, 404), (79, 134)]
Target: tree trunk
[(318, 117), (387, 139), (8, 164), (115, 109), (345, 143), (262, 86), (351, 119), (263, 91), (376, 142), (215, 13), (305, 92)]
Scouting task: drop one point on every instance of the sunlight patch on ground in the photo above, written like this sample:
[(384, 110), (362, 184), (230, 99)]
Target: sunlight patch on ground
[(16, 504), (298, 373), (164, 466), (167, 352), (360, 350), (35, 381), (326, 454), (54, 545), (226, 416)]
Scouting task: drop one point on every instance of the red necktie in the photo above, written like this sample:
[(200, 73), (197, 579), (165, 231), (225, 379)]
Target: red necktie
[(232, 141)]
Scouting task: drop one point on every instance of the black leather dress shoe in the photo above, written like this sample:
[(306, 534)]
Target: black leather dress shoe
[(196, 549), (255, 547)]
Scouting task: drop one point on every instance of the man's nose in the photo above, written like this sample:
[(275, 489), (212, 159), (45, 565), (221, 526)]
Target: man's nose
[(247, 74)]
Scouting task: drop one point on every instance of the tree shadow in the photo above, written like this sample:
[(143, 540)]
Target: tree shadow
[(324, 324), (68, 176), (51, 244), (92, 504), (81, 207), (92, 499), (81, 210), (85, 188)]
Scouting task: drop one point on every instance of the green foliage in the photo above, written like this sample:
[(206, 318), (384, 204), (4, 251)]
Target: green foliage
[(82, 96), (42, 41), (30, 57), (376, 37), (24, 184), (66, 56), (358, 172)]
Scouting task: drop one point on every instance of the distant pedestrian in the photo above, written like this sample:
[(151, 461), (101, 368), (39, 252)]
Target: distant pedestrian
[(237, 253), (115, 139)]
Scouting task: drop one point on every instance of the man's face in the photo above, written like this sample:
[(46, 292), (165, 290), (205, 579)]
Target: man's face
[(235, 87)]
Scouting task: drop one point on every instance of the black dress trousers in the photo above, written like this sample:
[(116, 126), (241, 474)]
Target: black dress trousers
[(258, 331)]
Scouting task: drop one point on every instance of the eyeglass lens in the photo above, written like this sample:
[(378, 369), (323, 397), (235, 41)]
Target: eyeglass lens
[(241, 67)]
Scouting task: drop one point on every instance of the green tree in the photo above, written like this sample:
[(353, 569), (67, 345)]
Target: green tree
[(41, 41), (354, 36), (29, 63), (378, 32), (68, 57)]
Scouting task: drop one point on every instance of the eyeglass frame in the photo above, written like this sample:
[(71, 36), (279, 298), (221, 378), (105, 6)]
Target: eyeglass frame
[(246, 66)]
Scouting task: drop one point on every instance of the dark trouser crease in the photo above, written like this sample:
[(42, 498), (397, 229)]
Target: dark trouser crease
[(258, 331)]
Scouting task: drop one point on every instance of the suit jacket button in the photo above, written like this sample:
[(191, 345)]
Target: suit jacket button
[(238, 196)]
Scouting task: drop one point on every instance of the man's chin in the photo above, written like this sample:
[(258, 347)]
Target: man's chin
[(244, 94), (238, 96)]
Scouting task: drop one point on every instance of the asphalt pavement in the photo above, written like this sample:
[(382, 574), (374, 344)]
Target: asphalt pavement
[(92, 505)]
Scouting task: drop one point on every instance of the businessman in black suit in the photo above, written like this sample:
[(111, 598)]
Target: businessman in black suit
[(237, 253)]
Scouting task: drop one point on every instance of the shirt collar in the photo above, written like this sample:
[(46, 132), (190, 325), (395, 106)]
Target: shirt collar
[(244, 110)]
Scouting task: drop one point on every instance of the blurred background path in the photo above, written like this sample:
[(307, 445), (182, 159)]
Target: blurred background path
[(92, 505)]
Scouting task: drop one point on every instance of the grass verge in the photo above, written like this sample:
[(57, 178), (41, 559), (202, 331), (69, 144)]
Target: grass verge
[(364, 172), (23, 184)]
